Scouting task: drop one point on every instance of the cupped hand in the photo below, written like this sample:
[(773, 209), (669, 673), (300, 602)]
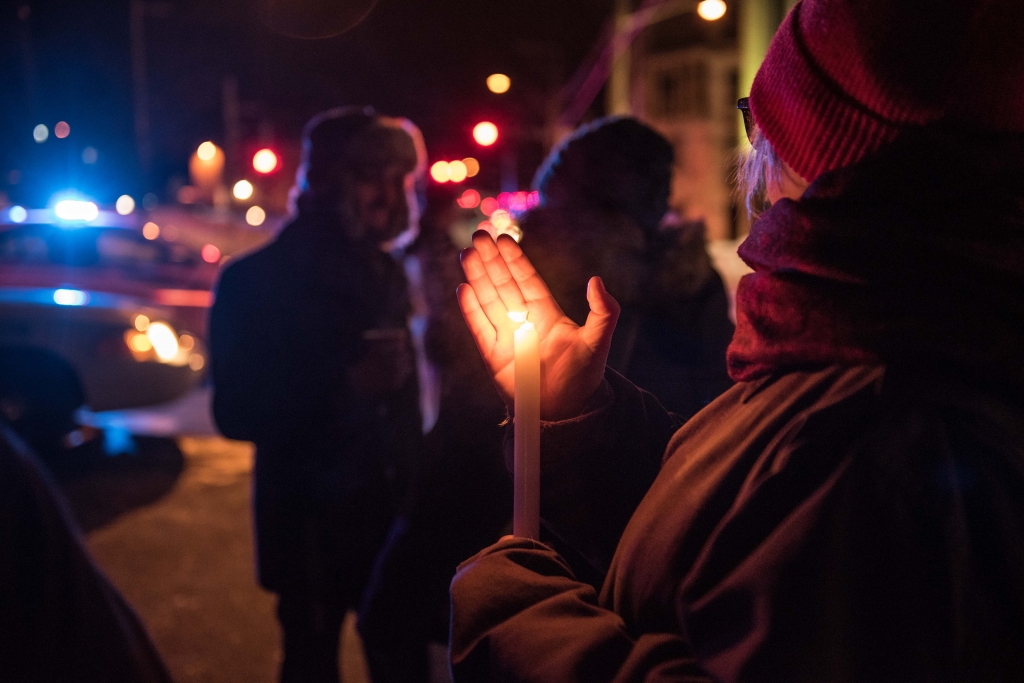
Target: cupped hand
[(502, 279)]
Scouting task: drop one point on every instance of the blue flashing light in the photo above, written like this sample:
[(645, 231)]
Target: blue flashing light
[(70, 297), (76, 210), (17, 214)]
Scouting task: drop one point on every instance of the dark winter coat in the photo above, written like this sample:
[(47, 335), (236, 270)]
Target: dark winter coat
[(60, 618), (674, 327), (288, 327)]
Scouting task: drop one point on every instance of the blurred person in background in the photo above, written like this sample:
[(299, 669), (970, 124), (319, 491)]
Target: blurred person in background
[(604, 211), (313, 361), (462, 496), (60, 618), (853, 508)]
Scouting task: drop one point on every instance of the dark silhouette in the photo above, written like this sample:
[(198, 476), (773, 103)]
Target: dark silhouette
[(313, 362), (463, 494), (603, 202), (60, 618)]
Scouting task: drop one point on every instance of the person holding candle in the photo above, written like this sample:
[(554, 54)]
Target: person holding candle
[(853, 509)]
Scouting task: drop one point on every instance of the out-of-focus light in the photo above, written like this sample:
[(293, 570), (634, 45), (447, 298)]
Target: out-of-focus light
[(70, 297), (17, 214), (242, 189), (90, 155), (187, 342), (255, 216), (517, 202), (206, 151), (441, 171), (264, 161), (124, 205), (40, 133), (472, 166), (210, 252), (470, 199), (187, 194), (76, 210), (149, 201), (488, 206), (62, 129), (457, 171), (196, 362), (533, 199), (151, 230), (505, 200), (141, 322), (138, 342), (499, 83), (488, 226), (501, 220), (164, 341), (485, 133), (711, 10)]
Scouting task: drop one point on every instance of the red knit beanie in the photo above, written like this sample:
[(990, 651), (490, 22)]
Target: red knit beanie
[(844, 77)]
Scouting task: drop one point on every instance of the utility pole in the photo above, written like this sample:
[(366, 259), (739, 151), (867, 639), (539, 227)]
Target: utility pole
[(758, 21), (618, 92), (140, 89)]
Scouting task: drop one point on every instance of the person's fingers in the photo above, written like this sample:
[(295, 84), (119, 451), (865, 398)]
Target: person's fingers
[(483, 288), (497, 270), (604, 313), (535, 291), (476, 320)]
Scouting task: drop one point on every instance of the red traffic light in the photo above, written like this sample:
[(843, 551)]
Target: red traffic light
[(264, 161), (485, 133)]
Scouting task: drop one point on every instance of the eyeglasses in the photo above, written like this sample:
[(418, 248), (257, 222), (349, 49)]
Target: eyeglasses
[(748, 121)]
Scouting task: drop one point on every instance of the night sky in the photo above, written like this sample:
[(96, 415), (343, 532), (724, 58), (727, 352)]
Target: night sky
[(423, 59)]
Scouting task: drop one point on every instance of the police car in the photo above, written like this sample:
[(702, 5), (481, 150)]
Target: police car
[(94, 314)]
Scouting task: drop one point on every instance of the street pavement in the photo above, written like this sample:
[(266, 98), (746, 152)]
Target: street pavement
[(171, 525)]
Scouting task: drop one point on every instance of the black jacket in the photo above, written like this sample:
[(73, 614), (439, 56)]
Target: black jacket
[(288, 325)]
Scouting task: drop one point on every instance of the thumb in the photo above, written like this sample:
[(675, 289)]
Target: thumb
[(604, 313)]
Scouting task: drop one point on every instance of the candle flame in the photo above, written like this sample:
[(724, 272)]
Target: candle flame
[(517, 316)]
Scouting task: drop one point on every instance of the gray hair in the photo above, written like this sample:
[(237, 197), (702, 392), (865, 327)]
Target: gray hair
[(758, 167)]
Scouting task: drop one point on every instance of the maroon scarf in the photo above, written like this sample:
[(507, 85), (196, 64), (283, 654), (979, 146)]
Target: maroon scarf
[(914, 256)]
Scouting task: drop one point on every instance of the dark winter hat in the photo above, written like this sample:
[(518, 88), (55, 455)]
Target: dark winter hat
[(842, 78), (614, 163), (354, 137)]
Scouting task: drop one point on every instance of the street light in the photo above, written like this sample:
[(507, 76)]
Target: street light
[(264, 161), (499, 83), (711, 10), (485, 133)]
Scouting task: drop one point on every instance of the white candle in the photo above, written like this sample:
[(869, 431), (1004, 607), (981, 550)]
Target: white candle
[(526, 468)]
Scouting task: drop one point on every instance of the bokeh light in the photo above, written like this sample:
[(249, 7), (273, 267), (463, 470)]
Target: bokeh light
[(17, 214), (264, 161), (141, 322), (440, 172), (242, 190), (90, 155), (211, 254), (206, 151), (40, 133), (124, 205), (485, 133), (164, 340), (472, 166), (470, 199), (151, 230), (711, 10), (488, 206), (62, 129), (255, 216), (499, 83), (457, 171)]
